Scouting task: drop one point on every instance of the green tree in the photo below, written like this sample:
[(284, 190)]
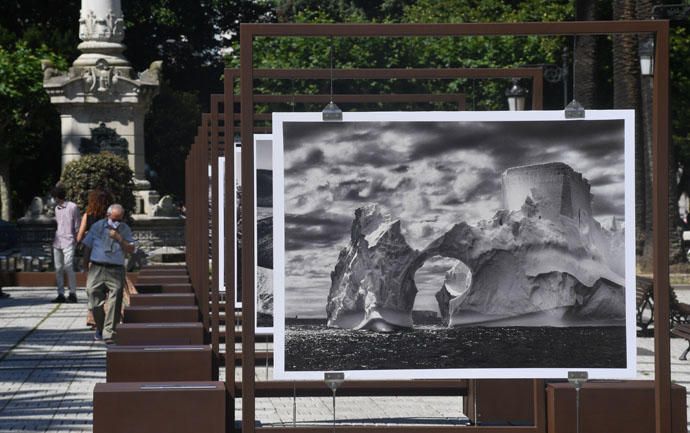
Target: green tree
[(187, 36), (419, 52), (167, 146), (26, 117)]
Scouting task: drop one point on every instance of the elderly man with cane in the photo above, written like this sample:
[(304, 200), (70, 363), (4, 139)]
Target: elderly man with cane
[(106, 244)]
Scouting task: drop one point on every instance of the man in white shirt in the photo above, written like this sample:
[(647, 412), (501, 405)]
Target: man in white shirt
[(64, 244)]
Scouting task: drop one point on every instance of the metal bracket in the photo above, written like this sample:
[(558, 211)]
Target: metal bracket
[(332, 113), (574, 110), (577, 379), (334, 380)]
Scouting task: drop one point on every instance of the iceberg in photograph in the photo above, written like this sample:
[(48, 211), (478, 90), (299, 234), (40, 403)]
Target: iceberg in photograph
[(542, 260)]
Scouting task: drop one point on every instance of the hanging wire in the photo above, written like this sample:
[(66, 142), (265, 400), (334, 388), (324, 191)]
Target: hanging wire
[(292, 93), (474, 94), (332, 112), (331, 67)]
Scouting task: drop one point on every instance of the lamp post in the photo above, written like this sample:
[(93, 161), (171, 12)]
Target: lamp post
[(554, 74), (646, 53), (516, 96)]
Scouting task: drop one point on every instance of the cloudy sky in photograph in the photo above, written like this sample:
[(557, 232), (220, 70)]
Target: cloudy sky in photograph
[(430, 175)]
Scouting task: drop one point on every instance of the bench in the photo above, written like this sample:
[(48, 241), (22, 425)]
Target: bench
[(683, 331), (645, 300), (679, 311)]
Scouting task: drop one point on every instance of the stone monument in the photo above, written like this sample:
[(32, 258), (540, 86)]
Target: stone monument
[(101, 100), (102, 103)]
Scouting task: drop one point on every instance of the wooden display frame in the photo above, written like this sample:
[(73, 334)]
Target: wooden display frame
[(660, 133), (209, 137), (211, 128)]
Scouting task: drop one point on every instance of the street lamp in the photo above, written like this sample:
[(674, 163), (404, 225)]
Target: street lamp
[(516, 96), (554, 74), (646, 52)]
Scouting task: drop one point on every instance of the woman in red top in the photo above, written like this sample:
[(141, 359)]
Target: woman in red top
[(96, 209)]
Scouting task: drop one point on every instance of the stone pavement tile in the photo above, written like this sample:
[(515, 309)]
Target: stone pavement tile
[(52, 373)]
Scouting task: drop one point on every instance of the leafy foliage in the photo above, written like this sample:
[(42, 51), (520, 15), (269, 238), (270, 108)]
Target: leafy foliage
[(187, 36), (104, 171), (418, 52), (166, 146), (680, 105), (27, 118)]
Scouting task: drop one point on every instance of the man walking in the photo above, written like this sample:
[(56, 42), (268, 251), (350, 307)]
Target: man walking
[(64, 244), (106, 244)]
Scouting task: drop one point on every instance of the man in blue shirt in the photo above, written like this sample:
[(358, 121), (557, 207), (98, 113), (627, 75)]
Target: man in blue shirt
[(107, 242)]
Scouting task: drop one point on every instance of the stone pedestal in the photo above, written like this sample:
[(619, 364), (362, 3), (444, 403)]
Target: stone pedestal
[(156, 232), (101, 100)]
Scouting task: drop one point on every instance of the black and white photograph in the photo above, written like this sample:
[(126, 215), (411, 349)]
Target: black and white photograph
[(263, 148), (221, 228), (263, 280), (454, 245)]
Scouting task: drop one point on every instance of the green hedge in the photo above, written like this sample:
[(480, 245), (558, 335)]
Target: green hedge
[(103, 170)]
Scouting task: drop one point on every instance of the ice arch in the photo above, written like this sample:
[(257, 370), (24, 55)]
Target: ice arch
[(439, 280)]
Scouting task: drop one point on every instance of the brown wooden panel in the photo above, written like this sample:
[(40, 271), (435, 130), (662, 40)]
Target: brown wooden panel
[(158, 363), (161, 314), (163, 279), (164, 288), (500, 401), (379, 428), (163, 273), (131, 334), (170, 407), (164, 267), (612, 407), (351, 388), (162, 299), (42, 279)]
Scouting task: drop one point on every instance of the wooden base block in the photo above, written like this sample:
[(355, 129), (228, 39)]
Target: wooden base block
[(611, 407), (132, 334), (159, 363), (163, 267), (163, 279), (164, 288), (162, 272), (42, 279), (500, 401), (162, 299), (170, 407), (161, 314)]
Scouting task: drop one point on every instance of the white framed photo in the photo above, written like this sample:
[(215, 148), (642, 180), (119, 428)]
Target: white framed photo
[(454, 245)]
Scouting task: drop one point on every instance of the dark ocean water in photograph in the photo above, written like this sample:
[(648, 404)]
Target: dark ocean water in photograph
[(318, 348)]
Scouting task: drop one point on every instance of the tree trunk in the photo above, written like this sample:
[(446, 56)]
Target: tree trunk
[(676, 255), (5, 209), (626, 95), (584, 65)]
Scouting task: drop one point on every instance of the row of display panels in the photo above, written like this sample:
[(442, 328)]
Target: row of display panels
[(405, 245)]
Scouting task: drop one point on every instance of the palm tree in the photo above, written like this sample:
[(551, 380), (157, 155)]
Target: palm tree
[(584, 57)]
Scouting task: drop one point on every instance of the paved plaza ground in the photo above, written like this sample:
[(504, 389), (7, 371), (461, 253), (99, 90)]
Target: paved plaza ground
[(49, 365)]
